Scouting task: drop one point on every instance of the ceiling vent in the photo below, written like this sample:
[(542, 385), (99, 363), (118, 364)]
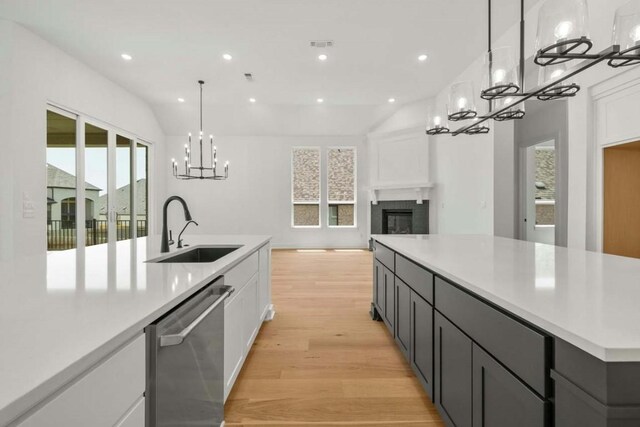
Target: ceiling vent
[(248, 77), (321, 43)]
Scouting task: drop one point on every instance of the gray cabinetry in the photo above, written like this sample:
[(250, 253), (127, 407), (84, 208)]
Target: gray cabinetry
[(419, 279), (378, 286), (500, 399), (421, 349), (388, 314), (403, 317), (522, 349), (453, 373)]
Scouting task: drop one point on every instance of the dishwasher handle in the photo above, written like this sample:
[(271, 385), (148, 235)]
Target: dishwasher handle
[(177, 339)]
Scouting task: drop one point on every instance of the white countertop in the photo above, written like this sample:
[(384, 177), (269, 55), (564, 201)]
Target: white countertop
[(61, 312), (588, 299)]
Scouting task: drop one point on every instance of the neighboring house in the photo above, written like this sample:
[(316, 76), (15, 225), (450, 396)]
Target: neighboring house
[(61, 198), (123, 202)]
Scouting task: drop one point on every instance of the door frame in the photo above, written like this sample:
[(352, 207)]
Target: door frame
[(609, 92), (522, 183)]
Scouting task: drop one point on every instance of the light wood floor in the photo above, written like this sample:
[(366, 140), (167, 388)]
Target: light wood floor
[(322, 361)]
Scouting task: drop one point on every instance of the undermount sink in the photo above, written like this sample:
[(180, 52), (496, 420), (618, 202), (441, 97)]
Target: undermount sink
[(198, 254)]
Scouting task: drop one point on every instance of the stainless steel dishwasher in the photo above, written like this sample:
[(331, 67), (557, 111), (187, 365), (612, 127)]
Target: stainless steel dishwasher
[(185, 362)]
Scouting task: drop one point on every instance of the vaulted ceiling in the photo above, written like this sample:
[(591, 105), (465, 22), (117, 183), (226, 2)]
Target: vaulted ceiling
[(175, 43)]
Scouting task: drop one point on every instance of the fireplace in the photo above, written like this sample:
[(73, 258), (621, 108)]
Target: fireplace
[(395, 221), (400, 217)]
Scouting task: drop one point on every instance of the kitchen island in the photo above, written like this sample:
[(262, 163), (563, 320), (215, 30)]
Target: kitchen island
[(67, 314), (504, 332)]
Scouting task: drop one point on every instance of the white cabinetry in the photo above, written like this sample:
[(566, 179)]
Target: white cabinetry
[(111, 394), (245, 311)]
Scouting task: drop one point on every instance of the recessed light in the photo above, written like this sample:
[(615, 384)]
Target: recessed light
[(180, 99), (126, 57), (227, 57), (392, 100), (422, 57), (320, 100), (322, 57), (252, 100)]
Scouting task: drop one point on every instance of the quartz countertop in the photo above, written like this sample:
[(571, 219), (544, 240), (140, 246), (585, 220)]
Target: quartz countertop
[(61, 312), (589, 299)]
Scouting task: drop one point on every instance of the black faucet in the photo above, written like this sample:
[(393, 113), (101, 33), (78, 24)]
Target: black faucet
[(165, 234), (180, 235)]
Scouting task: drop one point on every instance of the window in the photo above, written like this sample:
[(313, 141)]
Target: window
[(61, 181), (305, 187), (114, 168), (341, 186)]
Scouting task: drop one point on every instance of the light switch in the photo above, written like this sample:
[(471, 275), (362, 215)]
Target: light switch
[(28, 206)]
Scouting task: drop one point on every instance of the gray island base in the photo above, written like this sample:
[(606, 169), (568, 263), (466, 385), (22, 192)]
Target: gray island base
[(482, 364)]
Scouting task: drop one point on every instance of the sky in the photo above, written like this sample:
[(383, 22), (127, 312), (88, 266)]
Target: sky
[(96, 165)]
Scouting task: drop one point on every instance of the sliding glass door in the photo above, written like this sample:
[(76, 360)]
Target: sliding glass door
[(111, 203)]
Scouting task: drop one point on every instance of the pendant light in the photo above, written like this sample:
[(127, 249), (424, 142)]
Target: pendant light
[(626, 33), (462, 103), (500, 73), (562, 28), (553, 73), (515, 112), (437, 123), (562, 36), (199, 170)]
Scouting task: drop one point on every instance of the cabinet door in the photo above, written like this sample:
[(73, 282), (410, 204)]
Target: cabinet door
[(403, 317), (389, 299), (421, 354), (264, 283), (453, 373), (250, 321), (378, 291), (233, 340), (500, 399)]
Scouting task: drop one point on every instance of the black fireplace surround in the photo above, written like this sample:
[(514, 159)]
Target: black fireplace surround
[(400, 217)]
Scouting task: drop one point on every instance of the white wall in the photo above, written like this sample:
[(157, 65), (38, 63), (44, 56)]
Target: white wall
[(256, 199), (33, 73), (273, 120)]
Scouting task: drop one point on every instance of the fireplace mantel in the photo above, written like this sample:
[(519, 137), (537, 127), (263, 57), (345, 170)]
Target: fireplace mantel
[(421, 190)]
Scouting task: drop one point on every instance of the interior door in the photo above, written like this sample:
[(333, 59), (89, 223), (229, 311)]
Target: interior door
[(621, 207)]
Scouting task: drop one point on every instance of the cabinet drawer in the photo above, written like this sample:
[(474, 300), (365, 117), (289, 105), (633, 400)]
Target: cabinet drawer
[(523, 350), (101, 397), (239, 275), (385, 256), (419, 279)]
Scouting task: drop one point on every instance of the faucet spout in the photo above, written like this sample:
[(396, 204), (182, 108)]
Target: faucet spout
[(165, 233)]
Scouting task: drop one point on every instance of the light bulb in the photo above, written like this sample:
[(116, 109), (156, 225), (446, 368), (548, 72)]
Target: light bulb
[(189, 133), (322, 57), (186, 159), (173, 160), (186, 146), (635, 34), (563, 29), (462, 103), (210, 136), (508, 101), (499, 75), (556, 74), (437, 120)]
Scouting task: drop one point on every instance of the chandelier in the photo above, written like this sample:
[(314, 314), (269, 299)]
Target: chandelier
[(562, 36), (200, 171)]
